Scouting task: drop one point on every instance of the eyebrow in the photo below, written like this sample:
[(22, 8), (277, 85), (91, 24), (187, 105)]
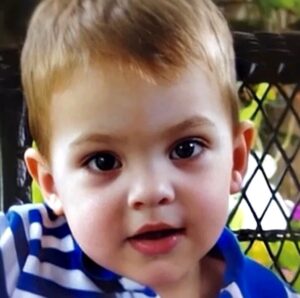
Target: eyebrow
[(94, 138), (193, 122)]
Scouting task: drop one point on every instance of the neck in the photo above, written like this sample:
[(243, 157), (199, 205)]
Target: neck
[(188, 286), (212, 276), (204, 281)]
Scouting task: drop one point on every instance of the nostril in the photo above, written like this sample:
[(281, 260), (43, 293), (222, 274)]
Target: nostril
[(138, 205), (164, 201), (150, 196)]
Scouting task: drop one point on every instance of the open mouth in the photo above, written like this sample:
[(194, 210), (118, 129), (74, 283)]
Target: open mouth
[(156, 235), (156, 241)]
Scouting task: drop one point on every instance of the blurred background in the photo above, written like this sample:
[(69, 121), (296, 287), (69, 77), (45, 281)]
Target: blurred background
[(14, 15), (243, 15), (258, 15)]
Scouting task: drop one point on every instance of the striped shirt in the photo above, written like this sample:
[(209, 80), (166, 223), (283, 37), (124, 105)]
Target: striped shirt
[(40, 258)]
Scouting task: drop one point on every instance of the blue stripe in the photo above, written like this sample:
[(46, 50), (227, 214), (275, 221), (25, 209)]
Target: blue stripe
[(225, 294), (3, 290), (58, 232), (35, 216), (46, 288), (66, 260), (51, 215), (19, 235)]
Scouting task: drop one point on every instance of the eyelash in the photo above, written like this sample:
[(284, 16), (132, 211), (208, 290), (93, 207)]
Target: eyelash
[(112, 162), (193, 143), (91, 162)]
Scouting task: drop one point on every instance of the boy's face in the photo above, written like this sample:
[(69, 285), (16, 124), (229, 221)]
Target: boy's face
[(143, 171)]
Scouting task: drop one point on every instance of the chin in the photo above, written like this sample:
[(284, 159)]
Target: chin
[(160, 276)]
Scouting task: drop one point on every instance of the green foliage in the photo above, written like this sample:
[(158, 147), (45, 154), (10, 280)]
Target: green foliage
[(36, 193), (266, 6)]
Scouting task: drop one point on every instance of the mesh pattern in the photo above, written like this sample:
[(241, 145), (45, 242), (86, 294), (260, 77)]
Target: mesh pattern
[(269, 87)]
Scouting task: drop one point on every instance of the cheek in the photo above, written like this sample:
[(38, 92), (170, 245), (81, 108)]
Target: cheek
[(210, 207), (208, 200), (92, 211), (95, 230), (210, 189), (89, 209)]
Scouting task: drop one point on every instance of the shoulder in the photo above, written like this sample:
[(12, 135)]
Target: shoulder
[(29, 219), (33, 213), (18, 227), (30, 228), (246, 278), (264, 281), (41, 258)]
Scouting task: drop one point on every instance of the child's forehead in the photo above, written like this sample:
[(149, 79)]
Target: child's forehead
[(111, 91), (119, 73), (111, 88)]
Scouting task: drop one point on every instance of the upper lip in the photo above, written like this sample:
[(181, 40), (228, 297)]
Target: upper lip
[(154, 227)]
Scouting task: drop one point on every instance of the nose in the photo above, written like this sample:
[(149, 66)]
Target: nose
[(151, 190)]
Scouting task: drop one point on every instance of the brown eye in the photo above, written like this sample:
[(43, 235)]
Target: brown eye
[(104, 162), (186, 149)]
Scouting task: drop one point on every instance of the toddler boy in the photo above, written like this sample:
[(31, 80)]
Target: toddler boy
[(133, 107)]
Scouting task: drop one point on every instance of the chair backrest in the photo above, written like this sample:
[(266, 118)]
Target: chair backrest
[(266, 216), (14, 134)]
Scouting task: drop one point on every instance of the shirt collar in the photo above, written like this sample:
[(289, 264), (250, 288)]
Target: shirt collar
[(227, 247)]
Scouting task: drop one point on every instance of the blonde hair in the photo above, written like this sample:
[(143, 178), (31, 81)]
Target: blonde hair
[(157, 38)]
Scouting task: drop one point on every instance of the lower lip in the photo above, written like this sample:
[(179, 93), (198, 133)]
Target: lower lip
[(156, 247)]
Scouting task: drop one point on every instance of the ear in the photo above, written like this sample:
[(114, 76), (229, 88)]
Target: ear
[(242, 145), (41, 173)]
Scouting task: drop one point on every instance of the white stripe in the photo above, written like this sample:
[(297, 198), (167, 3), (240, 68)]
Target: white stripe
[(125, 295), (48, 223), (234, 290), (10, 261), (23, 211), (24, 294), (72, 279), (291, 294), (65, 244), (130, 285), (35, 231), (25, 208), (3, 223)]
